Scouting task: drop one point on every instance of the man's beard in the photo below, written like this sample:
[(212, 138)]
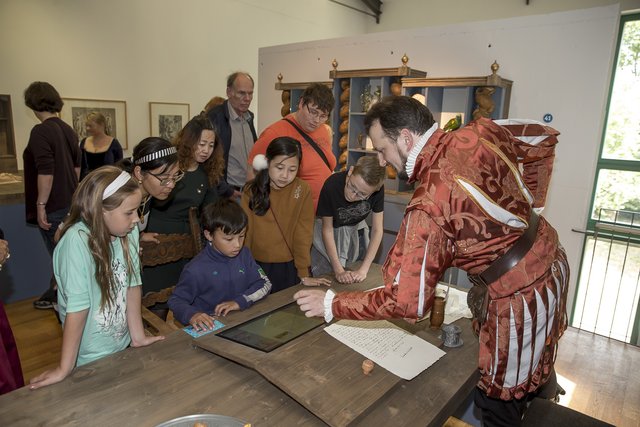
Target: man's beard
[(402, 173)]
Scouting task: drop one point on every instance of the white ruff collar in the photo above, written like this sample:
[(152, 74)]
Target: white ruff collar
[(417, 148)]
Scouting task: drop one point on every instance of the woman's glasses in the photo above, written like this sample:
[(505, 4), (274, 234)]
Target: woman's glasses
[(166, 180)]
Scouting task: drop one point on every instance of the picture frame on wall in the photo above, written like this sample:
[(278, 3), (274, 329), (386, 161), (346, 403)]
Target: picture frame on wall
[(166, 119), (75, 111)]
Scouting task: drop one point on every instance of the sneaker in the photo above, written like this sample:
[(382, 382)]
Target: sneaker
[(42, 304), (47, 300)]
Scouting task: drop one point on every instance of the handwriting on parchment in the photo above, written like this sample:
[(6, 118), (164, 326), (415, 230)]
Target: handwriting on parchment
[(378, 338)]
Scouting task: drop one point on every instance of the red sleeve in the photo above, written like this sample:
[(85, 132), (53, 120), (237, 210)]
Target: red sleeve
[(417, 260), (536, 158)]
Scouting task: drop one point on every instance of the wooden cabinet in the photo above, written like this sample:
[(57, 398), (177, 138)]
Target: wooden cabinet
[(8, 160), (469, 97), (355, 91)]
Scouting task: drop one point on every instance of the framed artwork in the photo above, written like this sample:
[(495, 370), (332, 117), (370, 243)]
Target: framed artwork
[(75, 111), (166, 119)]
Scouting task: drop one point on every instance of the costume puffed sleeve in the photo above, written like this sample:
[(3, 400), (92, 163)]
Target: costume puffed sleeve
[(417, 260), (534, 143), (303, 233)]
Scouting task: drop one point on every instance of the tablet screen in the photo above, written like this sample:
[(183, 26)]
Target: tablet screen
[(273, 329)]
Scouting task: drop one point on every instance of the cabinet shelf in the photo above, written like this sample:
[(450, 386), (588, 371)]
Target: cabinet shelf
[(355, 91), (471, 97), (8, 159)]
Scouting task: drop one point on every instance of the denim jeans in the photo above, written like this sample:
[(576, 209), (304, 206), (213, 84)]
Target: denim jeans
[(54, 218)]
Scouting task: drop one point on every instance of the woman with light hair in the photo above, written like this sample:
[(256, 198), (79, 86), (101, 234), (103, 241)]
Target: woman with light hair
[(99, 148)]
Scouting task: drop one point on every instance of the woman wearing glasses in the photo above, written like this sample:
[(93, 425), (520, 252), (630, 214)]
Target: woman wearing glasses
[(341, 235), (154, 165), (200, 156)]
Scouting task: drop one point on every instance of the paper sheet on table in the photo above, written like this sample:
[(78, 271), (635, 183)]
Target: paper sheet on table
[(389, 346)]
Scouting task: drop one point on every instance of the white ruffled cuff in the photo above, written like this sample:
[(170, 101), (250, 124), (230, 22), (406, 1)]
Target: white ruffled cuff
[(328, 301)]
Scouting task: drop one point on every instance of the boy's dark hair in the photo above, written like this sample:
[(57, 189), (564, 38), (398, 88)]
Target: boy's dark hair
[(224, 214), (320, 95), (41, 96)]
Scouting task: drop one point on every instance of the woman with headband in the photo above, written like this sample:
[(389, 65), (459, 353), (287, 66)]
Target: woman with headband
[(155, 166), (97, 267)]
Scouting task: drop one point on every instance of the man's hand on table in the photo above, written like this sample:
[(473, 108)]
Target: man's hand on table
[(311, 302)]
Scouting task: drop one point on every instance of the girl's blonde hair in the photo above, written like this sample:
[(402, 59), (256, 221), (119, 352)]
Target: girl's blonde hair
[(99, 118), (87, 206)]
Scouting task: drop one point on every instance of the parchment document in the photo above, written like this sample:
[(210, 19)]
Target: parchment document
[(389, 346)]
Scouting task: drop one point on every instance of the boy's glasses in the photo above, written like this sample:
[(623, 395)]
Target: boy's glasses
[(166, 180), (318, 115), (357, 193)]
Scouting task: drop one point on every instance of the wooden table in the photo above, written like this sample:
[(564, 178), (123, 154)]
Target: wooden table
[(173, 378)]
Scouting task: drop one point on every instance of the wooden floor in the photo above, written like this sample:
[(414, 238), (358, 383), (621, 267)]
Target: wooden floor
[(601, 376), (38, 335)]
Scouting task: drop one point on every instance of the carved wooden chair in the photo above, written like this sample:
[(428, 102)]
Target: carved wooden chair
[(172, 247)]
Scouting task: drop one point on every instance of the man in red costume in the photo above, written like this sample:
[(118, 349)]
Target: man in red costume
[(478, 191)]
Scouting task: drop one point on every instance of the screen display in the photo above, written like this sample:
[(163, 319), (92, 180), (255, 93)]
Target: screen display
[(271, 330)]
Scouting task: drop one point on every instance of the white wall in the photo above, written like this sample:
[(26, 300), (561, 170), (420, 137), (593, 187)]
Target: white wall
[(560, 64), (148, 50), (398, 14)]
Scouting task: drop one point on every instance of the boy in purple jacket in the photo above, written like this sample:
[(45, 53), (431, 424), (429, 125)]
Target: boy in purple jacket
[(224, 276)]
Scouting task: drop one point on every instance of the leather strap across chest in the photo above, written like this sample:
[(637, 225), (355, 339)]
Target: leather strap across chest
[(510, 258)]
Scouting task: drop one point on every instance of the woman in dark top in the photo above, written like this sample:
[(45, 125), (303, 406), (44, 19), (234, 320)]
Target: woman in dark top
[(98, 148), (201, 158), (154, 164)]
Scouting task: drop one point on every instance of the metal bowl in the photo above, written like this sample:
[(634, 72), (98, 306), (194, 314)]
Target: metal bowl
[(210, 420)]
